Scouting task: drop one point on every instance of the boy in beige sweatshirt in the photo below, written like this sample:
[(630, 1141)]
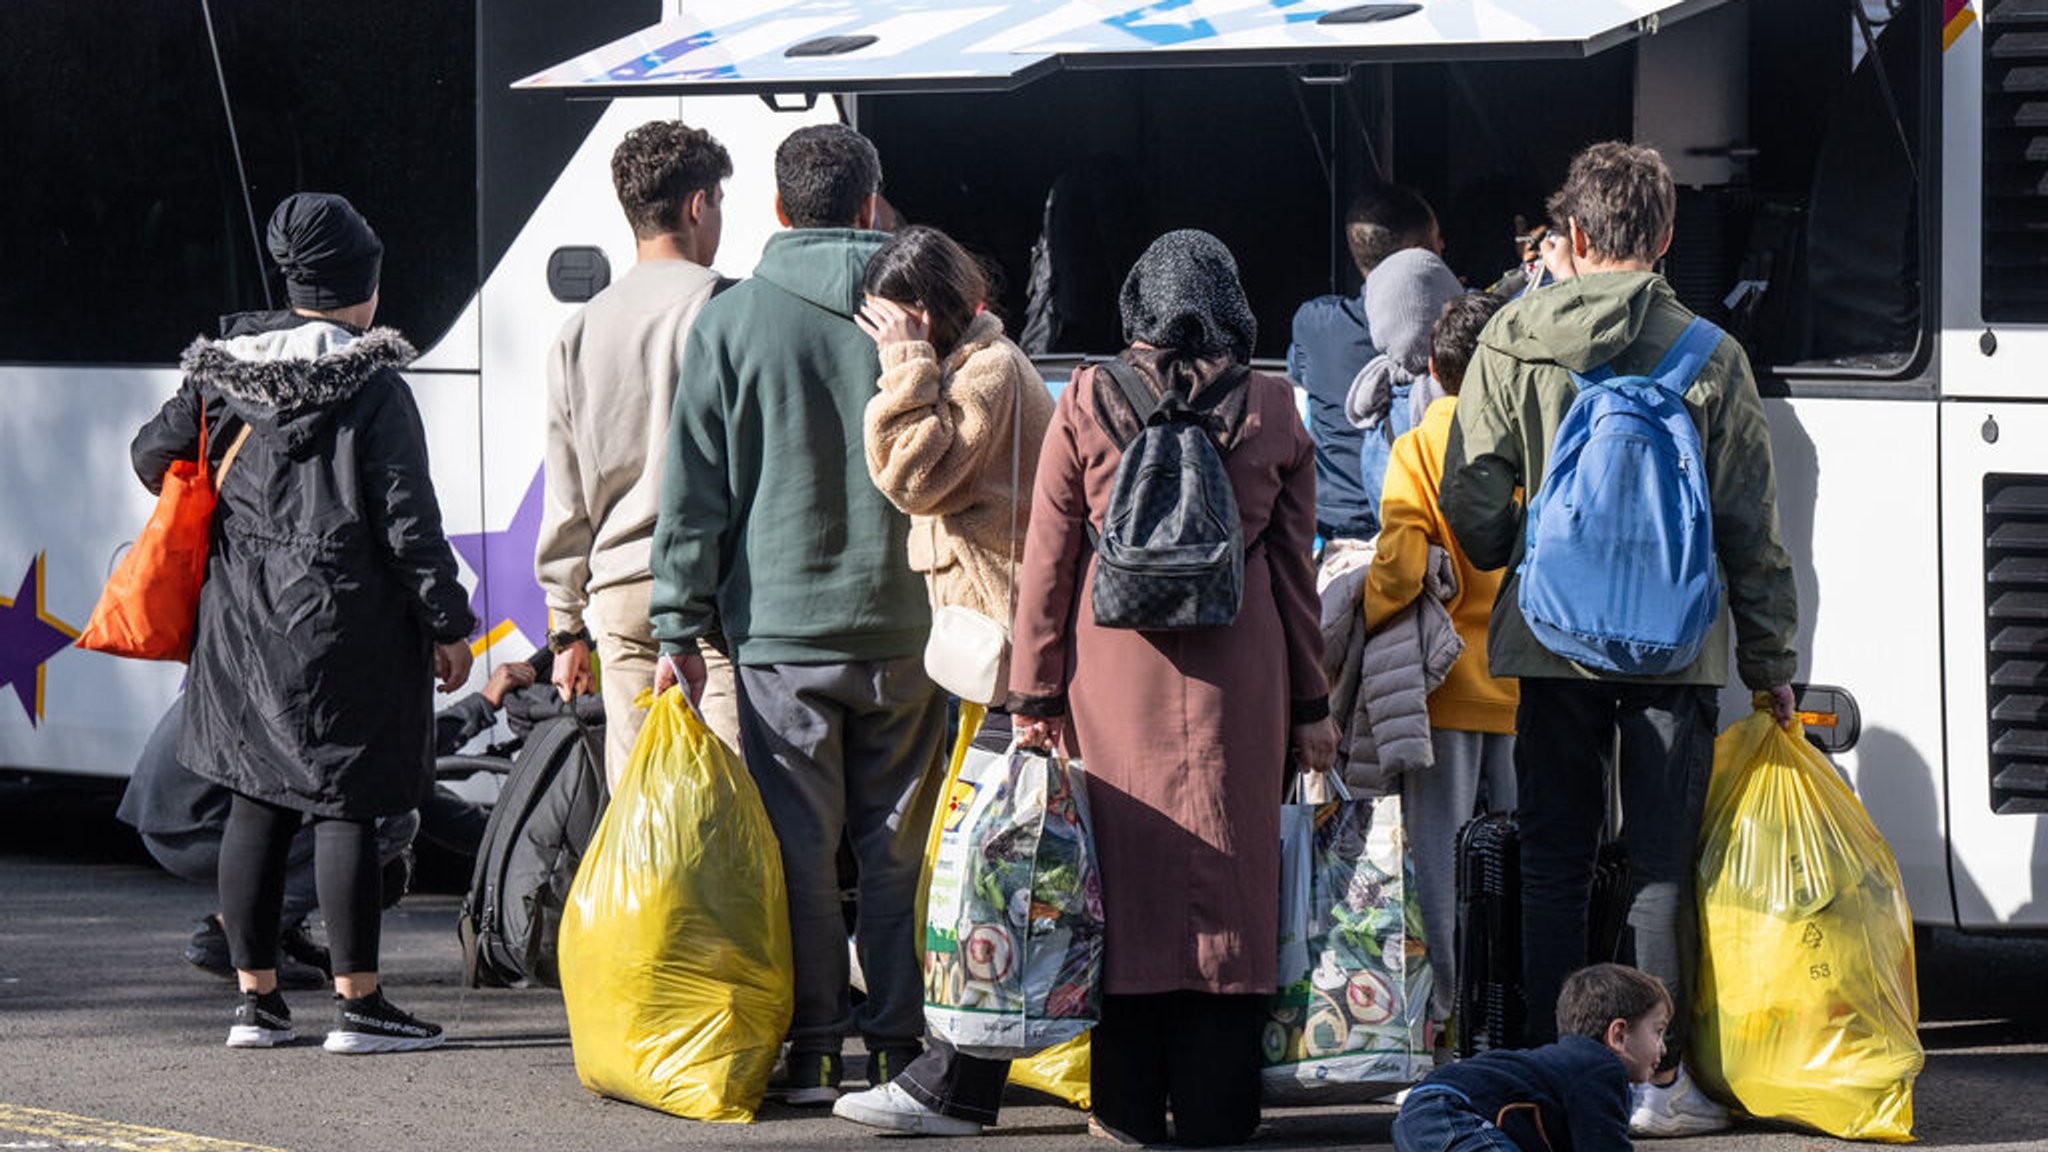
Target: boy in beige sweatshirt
[(611, 385)]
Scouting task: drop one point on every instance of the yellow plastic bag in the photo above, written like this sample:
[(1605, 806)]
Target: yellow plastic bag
[(1807, 1010), (1062, 1070), (675, 943)]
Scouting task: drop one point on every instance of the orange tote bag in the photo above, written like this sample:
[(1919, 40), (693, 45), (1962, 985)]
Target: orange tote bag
[(149, 609)]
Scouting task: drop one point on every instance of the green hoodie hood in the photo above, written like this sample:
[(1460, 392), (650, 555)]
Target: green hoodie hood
[(1579, 323), (823, 266)]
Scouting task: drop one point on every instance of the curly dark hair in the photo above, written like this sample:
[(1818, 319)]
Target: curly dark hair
[(658, 166), (1455, 335), (922, 267), (823, 172)]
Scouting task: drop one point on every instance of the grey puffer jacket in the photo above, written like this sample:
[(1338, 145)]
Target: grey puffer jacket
[(1389, 675)]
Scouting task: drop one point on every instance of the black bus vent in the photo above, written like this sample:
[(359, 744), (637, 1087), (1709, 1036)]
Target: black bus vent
[(2015, 242), (2016, 639)]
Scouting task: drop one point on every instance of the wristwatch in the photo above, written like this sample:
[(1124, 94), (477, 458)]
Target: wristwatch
[(559, 641)]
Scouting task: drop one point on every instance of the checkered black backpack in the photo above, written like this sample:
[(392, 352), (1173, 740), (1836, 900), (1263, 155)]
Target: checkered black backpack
[(1170, 555)]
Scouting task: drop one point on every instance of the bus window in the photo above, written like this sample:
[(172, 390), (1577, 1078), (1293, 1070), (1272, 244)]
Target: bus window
[(2015, 285), (123, 226), (322, 102)]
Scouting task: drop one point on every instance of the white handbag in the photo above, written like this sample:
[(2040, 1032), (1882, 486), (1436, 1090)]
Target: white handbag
[(968, 654)]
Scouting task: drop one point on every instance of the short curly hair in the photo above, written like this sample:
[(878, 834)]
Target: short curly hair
[(657, 167), (823, 173)]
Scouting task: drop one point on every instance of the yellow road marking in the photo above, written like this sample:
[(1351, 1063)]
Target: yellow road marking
[(85, 1132)]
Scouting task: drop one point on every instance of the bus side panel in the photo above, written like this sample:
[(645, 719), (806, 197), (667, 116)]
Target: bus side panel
[(1857, 507), (69, 497), (71, 502), (1999, 846)]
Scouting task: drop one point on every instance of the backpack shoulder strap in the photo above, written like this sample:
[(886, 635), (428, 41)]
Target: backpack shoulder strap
[(1143, 403), (1681, 366)]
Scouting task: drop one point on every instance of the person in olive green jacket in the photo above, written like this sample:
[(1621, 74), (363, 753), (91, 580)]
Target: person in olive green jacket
[(1611, 308), (770, 528)]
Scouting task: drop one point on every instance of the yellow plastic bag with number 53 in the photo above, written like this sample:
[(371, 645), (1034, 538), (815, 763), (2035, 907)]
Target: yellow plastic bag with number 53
[(1807, 1010)]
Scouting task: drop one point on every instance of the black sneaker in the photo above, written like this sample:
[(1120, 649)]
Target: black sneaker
[(296, 944), (374, 1024), (813, 1079), (887, 1063), (261, 1021), (207, 951)]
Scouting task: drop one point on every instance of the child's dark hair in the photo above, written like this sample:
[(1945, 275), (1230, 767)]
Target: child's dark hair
[(1597, 996), (922, 267), (1455, 335)]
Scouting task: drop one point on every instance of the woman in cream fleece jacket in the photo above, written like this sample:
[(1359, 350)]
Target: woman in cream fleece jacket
[(952, 438), (939, 433)]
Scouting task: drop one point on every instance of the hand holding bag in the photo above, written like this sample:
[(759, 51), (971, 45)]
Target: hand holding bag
[(968, 654), (149, 609)]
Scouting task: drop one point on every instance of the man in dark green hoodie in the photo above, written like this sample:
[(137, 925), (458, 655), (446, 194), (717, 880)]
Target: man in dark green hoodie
[(770, 528), (1611, 308)]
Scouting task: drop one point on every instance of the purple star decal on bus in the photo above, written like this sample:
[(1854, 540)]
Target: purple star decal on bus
[(507, 596), (29, 636)]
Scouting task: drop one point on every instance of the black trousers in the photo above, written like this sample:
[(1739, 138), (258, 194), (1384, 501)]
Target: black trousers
[(1565, 742), (1195, 1054), (255, 853), (952, 1083)]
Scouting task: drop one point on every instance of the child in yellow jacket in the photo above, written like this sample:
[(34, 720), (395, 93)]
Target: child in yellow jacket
[(1471, 714)]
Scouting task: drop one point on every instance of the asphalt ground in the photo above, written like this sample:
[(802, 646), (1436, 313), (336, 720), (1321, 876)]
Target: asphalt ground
[(109, 1041)]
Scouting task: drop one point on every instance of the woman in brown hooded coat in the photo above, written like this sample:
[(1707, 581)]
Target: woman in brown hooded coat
[(1186, 734)]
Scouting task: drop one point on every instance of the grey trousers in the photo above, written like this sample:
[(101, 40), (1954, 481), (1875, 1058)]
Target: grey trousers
[(855, 751), (1474, 773)]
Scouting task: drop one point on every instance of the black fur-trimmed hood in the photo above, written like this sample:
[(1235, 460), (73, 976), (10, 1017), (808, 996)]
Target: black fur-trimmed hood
[(287, 381)]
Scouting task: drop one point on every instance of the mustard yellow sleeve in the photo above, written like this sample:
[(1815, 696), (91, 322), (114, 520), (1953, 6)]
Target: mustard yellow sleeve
[(1407, 517)]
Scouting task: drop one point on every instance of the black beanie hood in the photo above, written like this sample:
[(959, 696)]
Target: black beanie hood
[(329, 255)]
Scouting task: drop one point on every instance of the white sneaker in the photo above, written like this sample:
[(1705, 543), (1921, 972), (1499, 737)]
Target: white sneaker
[(1675, 1109), (892, 1109)]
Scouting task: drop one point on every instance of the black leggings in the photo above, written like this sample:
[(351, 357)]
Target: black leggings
[(254, 849)]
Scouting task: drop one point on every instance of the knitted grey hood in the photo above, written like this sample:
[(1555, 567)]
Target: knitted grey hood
[(1403, 296)]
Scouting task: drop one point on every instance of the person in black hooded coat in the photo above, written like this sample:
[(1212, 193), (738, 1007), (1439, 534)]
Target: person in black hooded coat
[(331, 605)]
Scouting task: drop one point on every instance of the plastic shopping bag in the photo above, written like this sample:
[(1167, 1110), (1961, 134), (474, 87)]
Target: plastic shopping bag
[(1355, 1024), (1013, 925), (1062, 1070), (675, 944), (1297, 850), (1807, 1007)]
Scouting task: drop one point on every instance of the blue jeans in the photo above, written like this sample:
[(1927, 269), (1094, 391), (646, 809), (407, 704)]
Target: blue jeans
[(1437, 1119)]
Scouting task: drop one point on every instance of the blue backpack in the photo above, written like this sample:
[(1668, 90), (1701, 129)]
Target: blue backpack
[(1618, 568)]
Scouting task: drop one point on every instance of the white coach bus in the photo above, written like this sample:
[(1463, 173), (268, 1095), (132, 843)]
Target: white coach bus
[(1864, 202)]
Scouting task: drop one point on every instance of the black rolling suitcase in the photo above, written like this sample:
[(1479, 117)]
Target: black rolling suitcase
[(1489, 936), (1490, 1004)]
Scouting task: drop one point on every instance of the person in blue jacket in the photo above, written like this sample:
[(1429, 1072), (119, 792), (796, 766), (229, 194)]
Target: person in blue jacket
[(1332, 341), (1570, 1096)]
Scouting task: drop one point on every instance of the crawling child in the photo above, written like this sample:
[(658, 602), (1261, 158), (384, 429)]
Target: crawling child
[(1571, 1096)]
